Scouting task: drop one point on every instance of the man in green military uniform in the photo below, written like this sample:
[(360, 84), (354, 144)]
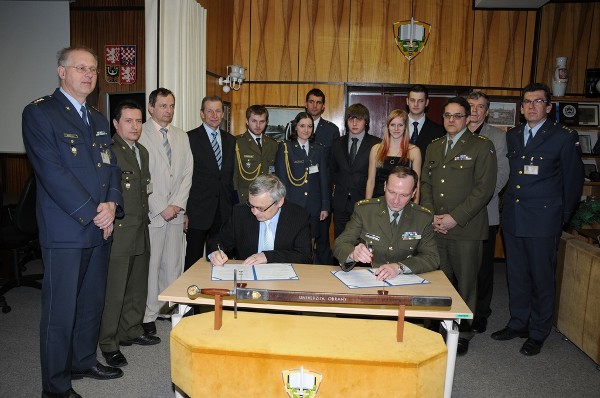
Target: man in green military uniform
[(457, 182), (395, 234), (127, 281), (254, 151)]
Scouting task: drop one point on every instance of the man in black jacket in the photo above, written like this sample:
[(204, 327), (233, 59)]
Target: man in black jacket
[(209, 203), (266, 229)]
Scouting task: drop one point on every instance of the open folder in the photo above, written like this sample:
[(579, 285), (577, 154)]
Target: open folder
[(259, 272), (358, 278)]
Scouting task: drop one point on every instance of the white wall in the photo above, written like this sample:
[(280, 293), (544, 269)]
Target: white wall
[(31, 33)]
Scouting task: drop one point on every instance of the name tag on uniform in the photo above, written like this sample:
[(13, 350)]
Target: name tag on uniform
[(531, 169), (313, 169), (105, 156)]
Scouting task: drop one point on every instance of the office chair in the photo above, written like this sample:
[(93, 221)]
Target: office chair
[(21, 238)]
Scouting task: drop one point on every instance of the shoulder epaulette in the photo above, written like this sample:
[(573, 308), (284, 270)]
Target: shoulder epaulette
[(439, 138), (41, 99), (420, 208), (267, 137), (482, 137), (371, 201)]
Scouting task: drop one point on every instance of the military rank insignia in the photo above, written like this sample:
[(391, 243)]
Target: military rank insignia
[(120, 64)]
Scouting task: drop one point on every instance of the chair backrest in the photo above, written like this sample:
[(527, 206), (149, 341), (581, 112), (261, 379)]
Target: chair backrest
[(25, 211)]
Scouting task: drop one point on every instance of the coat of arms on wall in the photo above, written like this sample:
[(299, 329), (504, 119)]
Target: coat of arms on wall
[(411, 37), (120, 63)]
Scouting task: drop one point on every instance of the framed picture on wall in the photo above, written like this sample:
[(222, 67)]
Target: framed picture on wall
[(226, 122), (279, 117), (585, 142), (502, 114), (588, 114)]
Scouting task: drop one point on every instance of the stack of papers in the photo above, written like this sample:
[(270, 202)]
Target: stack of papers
[(366, 278), (260, 272)]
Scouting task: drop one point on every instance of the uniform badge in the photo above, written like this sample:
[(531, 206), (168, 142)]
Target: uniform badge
[(301, 383), (73, 150), (411, 236), (127, 183)]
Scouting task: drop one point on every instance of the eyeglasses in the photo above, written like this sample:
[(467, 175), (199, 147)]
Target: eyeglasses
[(453, 115), (260, 209), (84, 69), (536, 101)]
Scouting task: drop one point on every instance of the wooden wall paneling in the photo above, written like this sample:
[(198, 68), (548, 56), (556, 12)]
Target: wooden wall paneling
[(274, 94), (498, 48), (16, 170), (95, 29), (334, 101), (241, 56), (593, 60), (565, 32), (274, 30), (529, 50), (446, 60), (219, 35), (373, 54), (323, 41)]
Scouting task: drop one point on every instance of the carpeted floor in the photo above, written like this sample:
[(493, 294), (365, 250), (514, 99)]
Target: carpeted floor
[(490, 369)]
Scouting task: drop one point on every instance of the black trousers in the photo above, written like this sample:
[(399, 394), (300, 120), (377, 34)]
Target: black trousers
[(485, 277)]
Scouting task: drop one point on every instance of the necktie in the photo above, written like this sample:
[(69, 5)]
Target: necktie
[(136, 153), (84, 115), (395, 219), (529, 137), (353, 149), (268, 240), (166, 145), (216, 148), (415, 134), (449, 146), (304, 149), (258, 143)]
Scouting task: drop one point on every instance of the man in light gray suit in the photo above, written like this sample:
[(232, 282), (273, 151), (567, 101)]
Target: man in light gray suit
[(480, 105), (171, 167)]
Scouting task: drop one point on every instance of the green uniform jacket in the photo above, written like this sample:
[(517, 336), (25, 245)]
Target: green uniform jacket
[(130, 235), (411, 242), (460, 184), (250, 162)]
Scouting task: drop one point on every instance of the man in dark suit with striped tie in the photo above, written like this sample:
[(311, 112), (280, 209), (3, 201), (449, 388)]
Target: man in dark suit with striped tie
[(209, 203)]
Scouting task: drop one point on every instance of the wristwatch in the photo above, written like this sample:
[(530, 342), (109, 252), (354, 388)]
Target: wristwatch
[(401, 268)]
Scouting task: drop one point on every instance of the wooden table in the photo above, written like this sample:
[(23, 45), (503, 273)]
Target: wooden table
[(318, 278)]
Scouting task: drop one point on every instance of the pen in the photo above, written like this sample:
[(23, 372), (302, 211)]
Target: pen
[(219, 249)]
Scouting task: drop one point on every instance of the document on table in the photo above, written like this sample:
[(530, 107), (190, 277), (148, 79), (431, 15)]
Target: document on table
[(358, 278), (259, 272)]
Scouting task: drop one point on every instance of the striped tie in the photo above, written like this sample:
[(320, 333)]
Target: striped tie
[(84, 115), (216, 148), (166, 145)]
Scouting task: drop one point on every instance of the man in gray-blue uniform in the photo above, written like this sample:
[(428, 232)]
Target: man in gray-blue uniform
[(78, 195), (545, 183)]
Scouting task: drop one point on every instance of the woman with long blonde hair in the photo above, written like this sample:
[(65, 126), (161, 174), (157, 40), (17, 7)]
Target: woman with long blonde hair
[(394, 150)]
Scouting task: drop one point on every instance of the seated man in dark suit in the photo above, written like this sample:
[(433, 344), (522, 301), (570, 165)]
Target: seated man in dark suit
[(265, 229)]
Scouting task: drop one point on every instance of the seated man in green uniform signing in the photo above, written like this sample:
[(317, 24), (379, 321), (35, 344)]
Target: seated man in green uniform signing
[(390, 232)]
